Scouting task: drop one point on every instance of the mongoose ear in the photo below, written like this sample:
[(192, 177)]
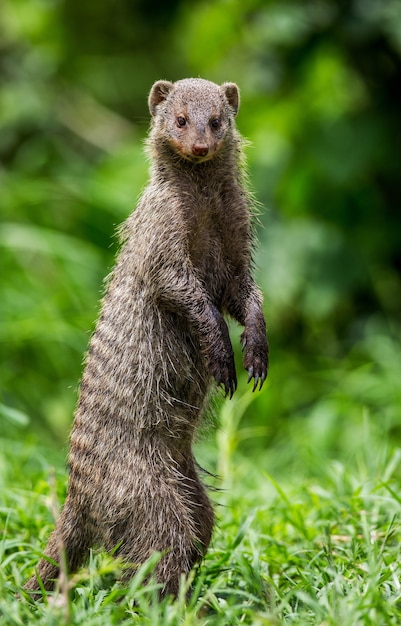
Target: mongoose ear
[(158, 93), (231, 92)]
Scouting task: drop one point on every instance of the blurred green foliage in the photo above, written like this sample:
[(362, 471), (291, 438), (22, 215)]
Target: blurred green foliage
[(321, 102)]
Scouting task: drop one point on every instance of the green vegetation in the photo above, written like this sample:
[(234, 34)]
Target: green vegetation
[(320, 546), (309, 470)]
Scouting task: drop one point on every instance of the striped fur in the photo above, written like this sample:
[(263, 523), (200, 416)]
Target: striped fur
[(161, 338)]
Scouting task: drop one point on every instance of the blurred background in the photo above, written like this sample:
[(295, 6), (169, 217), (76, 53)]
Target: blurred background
[(321, 103)]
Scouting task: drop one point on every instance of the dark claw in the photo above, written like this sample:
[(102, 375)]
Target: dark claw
[(250, 373), (255, 384), (259, 378), (243, 344), (226, 388), (230, 387)]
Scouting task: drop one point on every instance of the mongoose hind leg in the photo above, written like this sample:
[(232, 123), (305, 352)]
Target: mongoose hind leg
[(71, 536), (199, 504), (173, 517)]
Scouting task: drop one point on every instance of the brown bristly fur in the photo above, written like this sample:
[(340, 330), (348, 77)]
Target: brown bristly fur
[(159, 342)]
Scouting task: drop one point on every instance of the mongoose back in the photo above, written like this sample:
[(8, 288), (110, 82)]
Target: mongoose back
[(160, 340)]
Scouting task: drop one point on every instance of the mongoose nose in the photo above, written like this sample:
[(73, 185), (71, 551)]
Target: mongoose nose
[(200, 149)]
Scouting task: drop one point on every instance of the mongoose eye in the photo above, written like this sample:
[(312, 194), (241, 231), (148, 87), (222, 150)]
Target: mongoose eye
[(215, 123), (181, 121)]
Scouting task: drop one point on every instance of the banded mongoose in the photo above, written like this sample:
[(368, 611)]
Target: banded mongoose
[(161, 338)]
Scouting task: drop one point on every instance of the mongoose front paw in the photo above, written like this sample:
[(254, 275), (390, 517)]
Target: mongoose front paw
[(225, 375), (256, 360)]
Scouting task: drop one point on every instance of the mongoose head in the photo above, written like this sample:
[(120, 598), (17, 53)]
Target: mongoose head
[(195, 117)]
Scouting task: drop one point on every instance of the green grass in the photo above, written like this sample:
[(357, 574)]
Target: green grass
[(312, 541)]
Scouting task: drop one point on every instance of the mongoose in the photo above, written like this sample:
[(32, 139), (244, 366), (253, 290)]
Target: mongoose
[(161, 339)]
